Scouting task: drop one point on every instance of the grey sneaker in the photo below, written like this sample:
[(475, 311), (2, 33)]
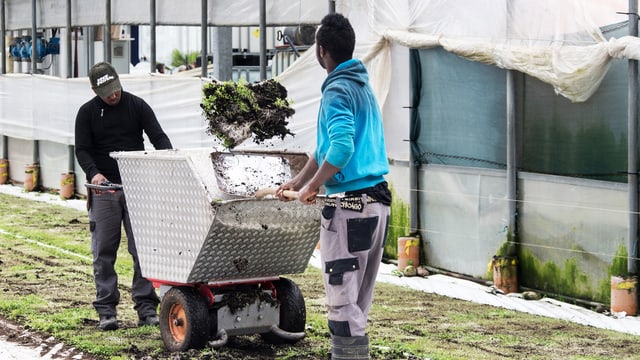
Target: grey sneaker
[(108, 323), (151, 320)]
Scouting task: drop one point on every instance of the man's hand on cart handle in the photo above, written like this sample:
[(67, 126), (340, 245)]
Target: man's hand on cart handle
[(290, 194), (107, 185)]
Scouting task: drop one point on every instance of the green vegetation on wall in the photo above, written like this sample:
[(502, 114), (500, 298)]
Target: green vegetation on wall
[(398, 225), (509, 247), (508, 250), (568, 279), (619, 266)]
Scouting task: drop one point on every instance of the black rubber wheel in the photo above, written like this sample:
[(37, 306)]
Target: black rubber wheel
[(184, 319), (293, 313)]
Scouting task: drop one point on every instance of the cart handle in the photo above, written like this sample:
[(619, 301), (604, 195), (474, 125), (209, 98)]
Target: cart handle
[(107, 185), (272, 191)]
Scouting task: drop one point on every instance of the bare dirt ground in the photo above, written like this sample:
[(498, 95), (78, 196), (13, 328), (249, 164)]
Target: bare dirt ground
[(37, 343), (404, 323)]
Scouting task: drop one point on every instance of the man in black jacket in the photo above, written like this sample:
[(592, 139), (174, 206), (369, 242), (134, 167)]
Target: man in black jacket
[(114, 120)]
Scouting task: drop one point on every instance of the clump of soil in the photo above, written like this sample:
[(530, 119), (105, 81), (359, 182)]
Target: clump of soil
[(237, 111)]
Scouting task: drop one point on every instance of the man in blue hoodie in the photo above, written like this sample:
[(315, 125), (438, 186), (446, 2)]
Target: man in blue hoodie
[(350, 161)]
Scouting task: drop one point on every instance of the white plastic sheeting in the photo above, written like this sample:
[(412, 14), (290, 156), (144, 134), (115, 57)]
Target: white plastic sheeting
[(52, 13), (40, 107), (558, 42), (44, 108)]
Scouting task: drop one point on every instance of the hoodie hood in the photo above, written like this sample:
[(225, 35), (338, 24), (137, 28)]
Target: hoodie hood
[(353, 70)]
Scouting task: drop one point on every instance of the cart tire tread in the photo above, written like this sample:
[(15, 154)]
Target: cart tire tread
[(184, 319), (293, 313)]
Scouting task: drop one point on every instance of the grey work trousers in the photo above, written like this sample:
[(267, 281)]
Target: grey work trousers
[(107, 215), (351, 246)]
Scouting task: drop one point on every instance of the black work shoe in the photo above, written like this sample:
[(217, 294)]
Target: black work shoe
[(151, 320), (108, 323)]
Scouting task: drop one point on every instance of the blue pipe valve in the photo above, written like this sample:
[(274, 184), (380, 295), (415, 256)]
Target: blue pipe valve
[(22, 47), (15, 48), (25, 47), (41, 48)]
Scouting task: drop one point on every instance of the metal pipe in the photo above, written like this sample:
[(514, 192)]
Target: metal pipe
[(632, 149), (283, 334), (221, 340), (512, 176), (34, 68), (221, 49), (414, 149), (107, 33), (3, 40), (36, 154), (248, 38), (71, 151), (287, 40), (263, 40), (5, 145), (414, 167), (595, 306), (34, 48), (203, 51), (68, 47), (152, 27)]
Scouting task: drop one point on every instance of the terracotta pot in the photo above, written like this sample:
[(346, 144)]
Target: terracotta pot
[(30, 177), (67, 185), (408, 252), (624, 294), (4, 171), (505, 273)]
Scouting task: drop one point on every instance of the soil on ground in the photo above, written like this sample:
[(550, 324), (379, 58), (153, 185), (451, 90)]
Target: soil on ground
[(403, 323)]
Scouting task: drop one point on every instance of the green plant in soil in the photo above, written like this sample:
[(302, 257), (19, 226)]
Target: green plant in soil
[(178, 58), (236, 111)]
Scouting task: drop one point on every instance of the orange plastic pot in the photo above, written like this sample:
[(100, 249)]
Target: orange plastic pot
[(624, 294), (4, 171), (30, 176), (505, 273), (67, 185), (408, 252)]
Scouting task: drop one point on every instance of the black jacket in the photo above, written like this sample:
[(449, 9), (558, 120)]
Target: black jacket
[(101, 129)]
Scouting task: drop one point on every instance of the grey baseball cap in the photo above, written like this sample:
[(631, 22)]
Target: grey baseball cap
[(104, 79)]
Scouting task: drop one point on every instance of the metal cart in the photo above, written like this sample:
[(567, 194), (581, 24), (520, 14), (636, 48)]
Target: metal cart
[(215, 251)]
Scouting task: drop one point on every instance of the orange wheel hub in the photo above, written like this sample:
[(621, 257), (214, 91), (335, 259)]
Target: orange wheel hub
[(177, 322)]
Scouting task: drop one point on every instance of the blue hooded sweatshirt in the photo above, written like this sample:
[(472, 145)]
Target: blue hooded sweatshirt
[(350, 133)]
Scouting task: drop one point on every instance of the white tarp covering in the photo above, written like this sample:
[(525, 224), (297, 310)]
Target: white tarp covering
[(44, 107), (53, 13), (558, 42)]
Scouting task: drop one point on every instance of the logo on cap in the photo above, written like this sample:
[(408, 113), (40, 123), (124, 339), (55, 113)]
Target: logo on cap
[(103, 79)]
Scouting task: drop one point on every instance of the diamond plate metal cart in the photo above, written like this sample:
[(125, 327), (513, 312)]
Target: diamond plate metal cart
[(214, 250)]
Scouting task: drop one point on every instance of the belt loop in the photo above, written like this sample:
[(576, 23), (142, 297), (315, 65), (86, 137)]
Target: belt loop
[(364, 198)]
